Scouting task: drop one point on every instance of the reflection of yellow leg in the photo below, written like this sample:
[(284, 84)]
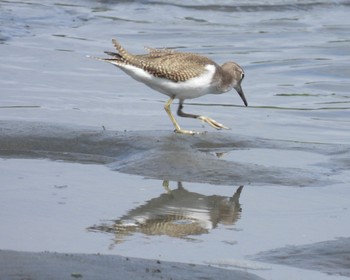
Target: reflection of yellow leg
[(173, 120), (166, 186)]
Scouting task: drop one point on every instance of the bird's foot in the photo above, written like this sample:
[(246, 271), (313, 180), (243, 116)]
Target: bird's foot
[(212, 122)]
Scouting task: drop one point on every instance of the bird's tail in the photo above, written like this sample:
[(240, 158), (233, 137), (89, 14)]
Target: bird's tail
[(114, 54), (122, 57)]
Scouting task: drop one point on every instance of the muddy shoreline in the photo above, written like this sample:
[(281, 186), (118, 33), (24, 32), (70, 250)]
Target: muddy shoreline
[(167, 156), (26, 265)]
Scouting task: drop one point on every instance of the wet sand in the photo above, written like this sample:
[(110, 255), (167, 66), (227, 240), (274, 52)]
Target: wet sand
[(331, 257), (55, 266), (169, 156)]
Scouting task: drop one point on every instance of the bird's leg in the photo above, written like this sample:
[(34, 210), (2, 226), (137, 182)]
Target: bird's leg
[(173, 120), (183, 114), (208, 120)]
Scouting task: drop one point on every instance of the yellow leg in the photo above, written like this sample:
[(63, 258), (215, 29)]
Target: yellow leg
[(173, 120), (212, 122), (208, 120)]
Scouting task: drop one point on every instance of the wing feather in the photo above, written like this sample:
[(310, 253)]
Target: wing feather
[(164, 63)]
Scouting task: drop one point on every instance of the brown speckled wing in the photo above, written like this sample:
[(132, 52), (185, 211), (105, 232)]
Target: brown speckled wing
[(163, 63)]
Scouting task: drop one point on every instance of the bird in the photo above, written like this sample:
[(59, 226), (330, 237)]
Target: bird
[(179, 75)]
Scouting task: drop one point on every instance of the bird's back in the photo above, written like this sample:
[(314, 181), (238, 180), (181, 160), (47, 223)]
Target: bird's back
[(163, 63)]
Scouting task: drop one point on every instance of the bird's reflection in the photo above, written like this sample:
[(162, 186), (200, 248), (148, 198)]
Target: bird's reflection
[(176, 213)]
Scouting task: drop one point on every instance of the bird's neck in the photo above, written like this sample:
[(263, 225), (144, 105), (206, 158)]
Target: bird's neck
[(224, 80)]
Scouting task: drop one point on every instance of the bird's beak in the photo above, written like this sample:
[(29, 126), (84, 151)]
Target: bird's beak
[(238, 88)]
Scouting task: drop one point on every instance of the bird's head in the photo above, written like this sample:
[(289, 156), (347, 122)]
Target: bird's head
[(235, 75)]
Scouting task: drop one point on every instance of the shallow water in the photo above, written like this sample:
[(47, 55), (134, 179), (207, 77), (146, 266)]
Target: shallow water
[(88, 153)]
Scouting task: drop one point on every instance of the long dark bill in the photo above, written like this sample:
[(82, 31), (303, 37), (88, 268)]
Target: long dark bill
[(241, 94)]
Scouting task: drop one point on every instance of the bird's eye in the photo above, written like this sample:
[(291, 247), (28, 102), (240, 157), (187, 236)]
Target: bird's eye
[(242, 76)]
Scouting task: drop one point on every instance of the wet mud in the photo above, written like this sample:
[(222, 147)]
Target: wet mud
[(331, 257), (168, 156)]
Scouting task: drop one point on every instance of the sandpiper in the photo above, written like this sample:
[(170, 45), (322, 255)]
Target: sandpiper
[(179, 75)]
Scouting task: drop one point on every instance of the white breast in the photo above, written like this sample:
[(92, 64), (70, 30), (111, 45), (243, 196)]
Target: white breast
[(191, 88)]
